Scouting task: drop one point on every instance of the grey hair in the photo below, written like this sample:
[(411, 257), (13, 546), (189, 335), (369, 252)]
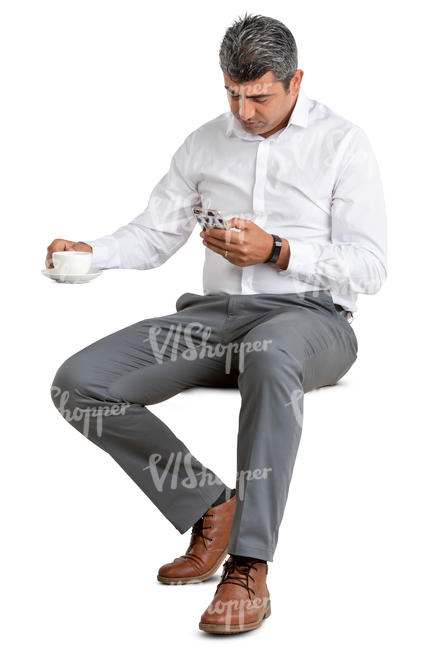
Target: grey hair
[(254, 45)]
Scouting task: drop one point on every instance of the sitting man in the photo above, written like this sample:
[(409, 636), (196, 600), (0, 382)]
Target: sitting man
[(301, 191)]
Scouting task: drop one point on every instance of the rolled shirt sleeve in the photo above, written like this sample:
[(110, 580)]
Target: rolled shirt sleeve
[(162, 228), (355, 260)]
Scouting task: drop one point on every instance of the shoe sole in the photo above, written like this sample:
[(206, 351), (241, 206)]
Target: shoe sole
[(199, 578), (235, 629)]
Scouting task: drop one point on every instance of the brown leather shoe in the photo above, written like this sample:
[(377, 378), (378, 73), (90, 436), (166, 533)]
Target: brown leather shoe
[(205, 552), (241, 599)]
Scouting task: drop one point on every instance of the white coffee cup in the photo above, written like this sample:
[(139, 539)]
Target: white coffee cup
[(72, 262)]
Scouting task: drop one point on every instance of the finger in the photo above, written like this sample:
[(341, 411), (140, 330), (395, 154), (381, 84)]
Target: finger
[(219, 248), (238, 222), (232, 254), (217, 235), (48, 258), (216, 232), (57, 245)]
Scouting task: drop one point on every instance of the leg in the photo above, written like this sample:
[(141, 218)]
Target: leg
[(104, 389), (308, 349)]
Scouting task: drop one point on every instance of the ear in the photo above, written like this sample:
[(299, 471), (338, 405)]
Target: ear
[(296, 81)]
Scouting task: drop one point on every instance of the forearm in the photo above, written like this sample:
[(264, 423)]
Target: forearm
[(141, 244), (340, 267)]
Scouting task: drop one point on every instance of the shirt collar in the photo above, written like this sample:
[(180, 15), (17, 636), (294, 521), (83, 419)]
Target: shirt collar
[(299, 117)]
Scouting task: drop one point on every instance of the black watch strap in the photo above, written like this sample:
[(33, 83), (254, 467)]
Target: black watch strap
[(275, 250)]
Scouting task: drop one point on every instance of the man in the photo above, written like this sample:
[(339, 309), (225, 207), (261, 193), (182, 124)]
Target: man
[(301, 187)]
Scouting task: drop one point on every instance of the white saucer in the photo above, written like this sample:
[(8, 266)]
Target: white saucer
[(71, 278)]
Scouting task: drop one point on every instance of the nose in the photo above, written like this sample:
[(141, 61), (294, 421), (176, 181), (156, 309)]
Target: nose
[(246, 110)]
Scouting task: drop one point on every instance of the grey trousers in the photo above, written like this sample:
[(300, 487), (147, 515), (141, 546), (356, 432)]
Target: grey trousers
[(272, 347)]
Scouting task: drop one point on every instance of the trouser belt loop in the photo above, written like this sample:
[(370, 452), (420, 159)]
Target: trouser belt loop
[(348, 315)]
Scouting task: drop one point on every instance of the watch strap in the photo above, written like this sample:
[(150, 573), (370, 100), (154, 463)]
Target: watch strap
[(276, 249)]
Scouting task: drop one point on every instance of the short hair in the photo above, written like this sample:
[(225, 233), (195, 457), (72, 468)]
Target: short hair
[(254, 45)]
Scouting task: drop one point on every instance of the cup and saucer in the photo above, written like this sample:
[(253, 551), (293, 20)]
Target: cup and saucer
[(72, 267)]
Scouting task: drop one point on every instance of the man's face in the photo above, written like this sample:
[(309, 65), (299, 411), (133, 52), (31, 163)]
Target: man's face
[(262, 105)]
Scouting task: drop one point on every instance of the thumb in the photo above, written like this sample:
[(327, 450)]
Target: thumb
[(69, 247)]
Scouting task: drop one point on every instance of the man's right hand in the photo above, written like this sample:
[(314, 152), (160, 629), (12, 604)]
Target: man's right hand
[(64, 245)]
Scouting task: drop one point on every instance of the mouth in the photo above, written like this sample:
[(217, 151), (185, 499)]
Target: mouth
[(250, 125)]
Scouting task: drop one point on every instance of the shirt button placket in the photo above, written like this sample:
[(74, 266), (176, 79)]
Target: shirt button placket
[(259, 215)]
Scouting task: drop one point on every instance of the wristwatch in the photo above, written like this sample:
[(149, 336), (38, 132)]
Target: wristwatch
[(275, 250)]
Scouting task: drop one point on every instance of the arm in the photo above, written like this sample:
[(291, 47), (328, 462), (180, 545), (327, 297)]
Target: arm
[(161, 229), (356, 257)]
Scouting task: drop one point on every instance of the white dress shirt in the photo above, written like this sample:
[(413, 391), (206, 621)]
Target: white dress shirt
[(314, 182)]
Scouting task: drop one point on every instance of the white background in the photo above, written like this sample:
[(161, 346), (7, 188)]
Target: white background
[(97, 96)]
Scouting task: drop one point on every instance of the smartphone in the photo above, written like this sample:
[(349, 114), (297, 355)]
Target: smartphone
[(209, 218)]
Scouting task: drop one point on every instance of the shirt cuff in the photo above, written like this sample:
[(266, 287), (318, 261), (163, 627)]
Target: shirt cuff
[(105, 253), (303, 257)]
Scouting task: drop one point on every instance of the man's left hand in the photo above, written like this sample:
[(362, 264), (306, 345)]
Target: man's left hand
[(252, 245)]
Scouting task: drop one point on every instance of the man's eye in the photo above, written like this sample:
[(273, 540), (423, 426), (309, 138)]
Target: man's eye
[(259, 101)]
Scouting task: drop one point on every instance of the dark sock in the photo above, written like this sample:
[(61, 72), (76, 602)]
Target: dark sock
[(246, 557), (223, 498)]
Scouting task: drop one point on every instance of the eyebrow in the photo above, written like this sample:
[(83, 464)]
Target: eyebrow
[(248, 96)]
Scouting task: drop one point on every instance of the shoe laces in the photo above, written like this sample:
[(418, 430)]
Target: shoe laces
[(243, 567), (197, 531)]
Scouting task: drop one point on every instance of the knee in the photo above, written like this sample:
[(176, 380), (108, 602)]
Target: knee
[(69, 385), (79, 393)]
